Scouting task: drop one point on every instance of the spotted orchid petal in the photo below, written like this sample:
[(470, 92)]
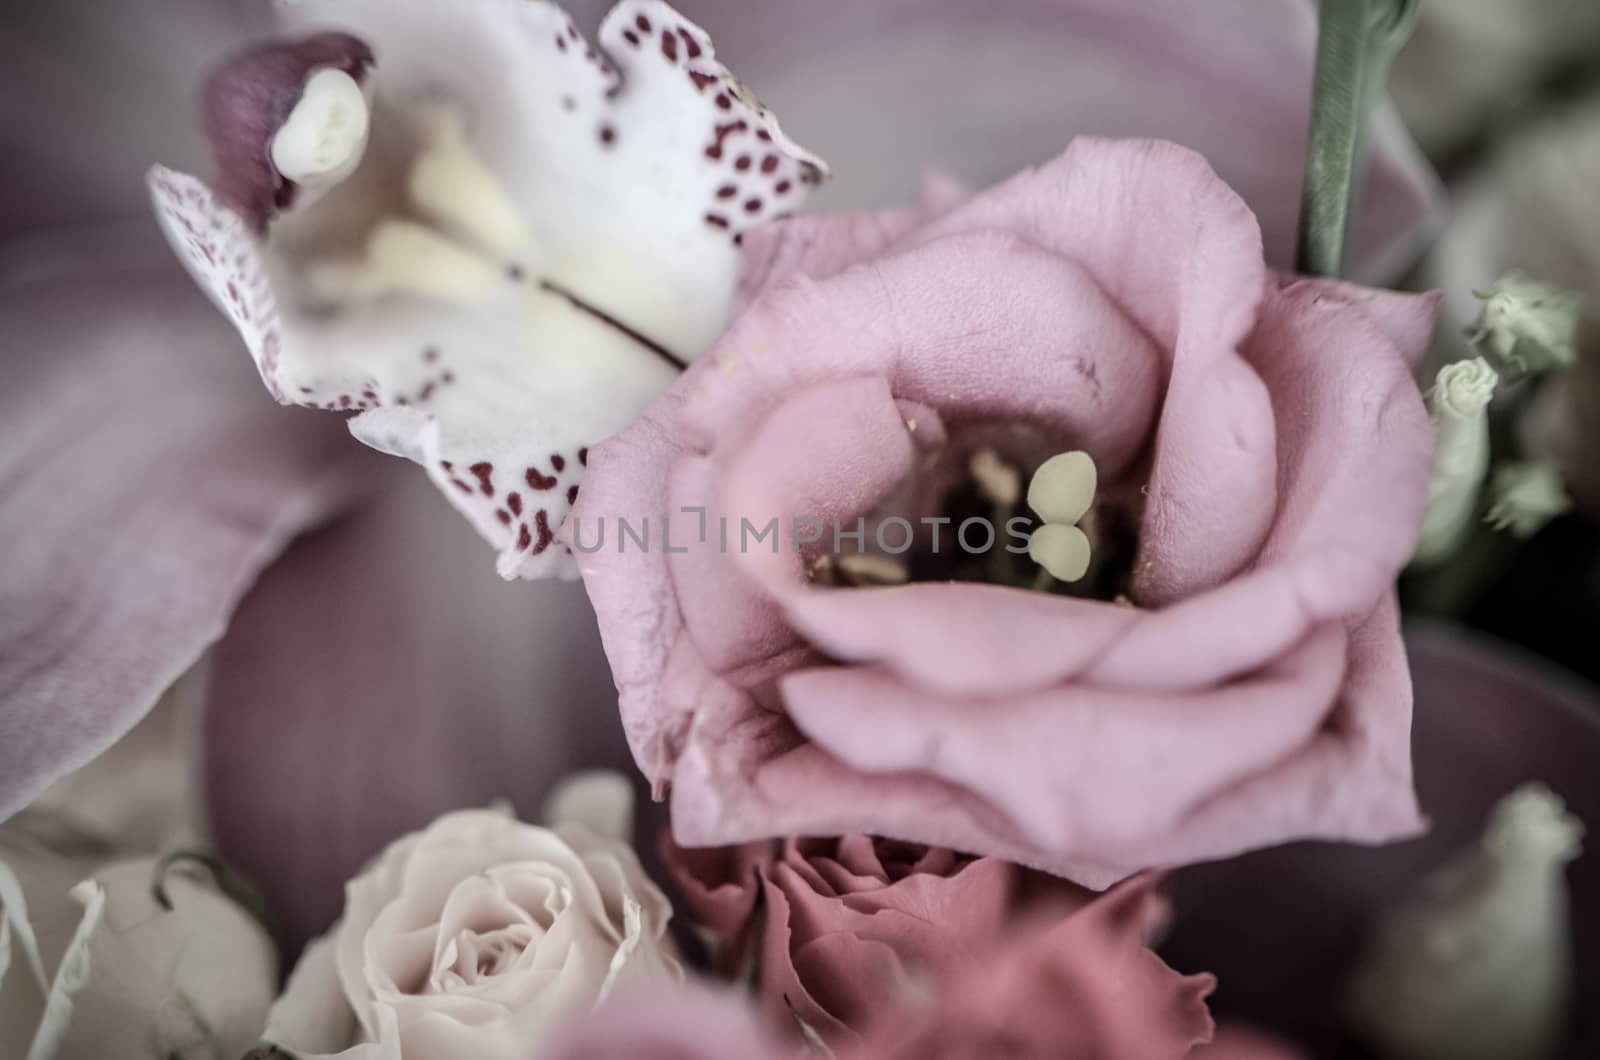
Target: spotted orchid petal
[(539, 235)]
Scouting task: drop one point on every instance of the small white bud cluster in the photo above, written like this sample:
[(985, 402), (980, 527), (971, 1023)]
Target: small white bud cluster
[(1526, 495), (1526, 326)]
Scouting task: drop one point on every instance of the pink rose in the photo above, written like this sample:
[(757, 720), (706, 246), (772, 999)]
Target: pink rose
[(1262, 455), (848, 926), (1084, 986)]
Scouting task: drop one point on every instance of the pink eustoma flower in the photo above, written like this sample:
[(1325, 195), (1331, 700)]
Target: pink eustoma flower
[(1259, 441)]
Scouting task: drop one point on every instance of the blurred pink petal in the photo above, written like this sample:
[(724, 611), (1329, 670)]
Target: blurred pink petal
[(145, 486), (1256, 691), (1085, 988), (889, 89), (688, 1023), (379, 675), (717, 891), (848, 927)]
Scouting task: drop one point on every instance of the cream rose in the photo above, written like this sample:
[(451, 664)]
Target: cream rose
[(476, 935)]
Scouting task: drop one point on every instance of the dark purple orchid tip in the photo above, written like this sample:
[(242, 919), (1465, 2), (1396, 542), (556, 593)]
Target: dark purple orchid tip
[(248, 98)]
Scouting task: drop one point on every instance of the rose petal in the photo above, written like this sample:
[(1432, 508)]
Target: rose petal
[(437, 687), (146, 485), (633, 172), (311, 1016), (1084, 986), (600, 800)]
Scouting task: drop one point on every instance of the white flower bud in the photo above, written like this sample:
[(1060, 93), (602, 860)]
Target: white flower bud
[(1492, 922), (1459, 405), (1526, 326), (1524, 496)]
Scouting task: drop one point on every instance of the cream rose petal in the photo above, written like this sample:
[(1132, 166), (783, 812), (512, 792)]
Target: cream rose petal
[(633, 169), (600, 800), (312, 1016)]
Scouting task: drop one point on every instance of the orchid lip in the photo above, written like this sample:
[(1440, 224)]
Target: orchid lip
[(678, 363)]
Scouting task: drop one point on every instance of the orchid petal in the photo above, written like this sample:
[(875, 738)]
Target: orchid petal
[(590, 249), (146, 484), (379, 675), (888, 89)]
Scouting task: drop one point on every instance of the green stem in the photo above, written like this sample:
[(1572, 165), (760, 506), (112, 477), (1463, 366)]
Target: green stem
[(1356, 42)]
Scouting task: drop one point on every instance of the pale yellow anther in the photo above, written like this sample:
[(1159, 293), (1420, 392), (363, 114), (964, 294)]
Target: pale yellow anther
[(404, 257), (1062, 490), (325, 135), (867, 568), (1062, 550), (998, 481), (450, 184)]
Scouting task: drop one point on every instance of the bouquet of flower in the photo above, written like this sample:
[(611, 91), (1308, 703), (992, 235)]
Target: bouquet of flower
[(940, 595)]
